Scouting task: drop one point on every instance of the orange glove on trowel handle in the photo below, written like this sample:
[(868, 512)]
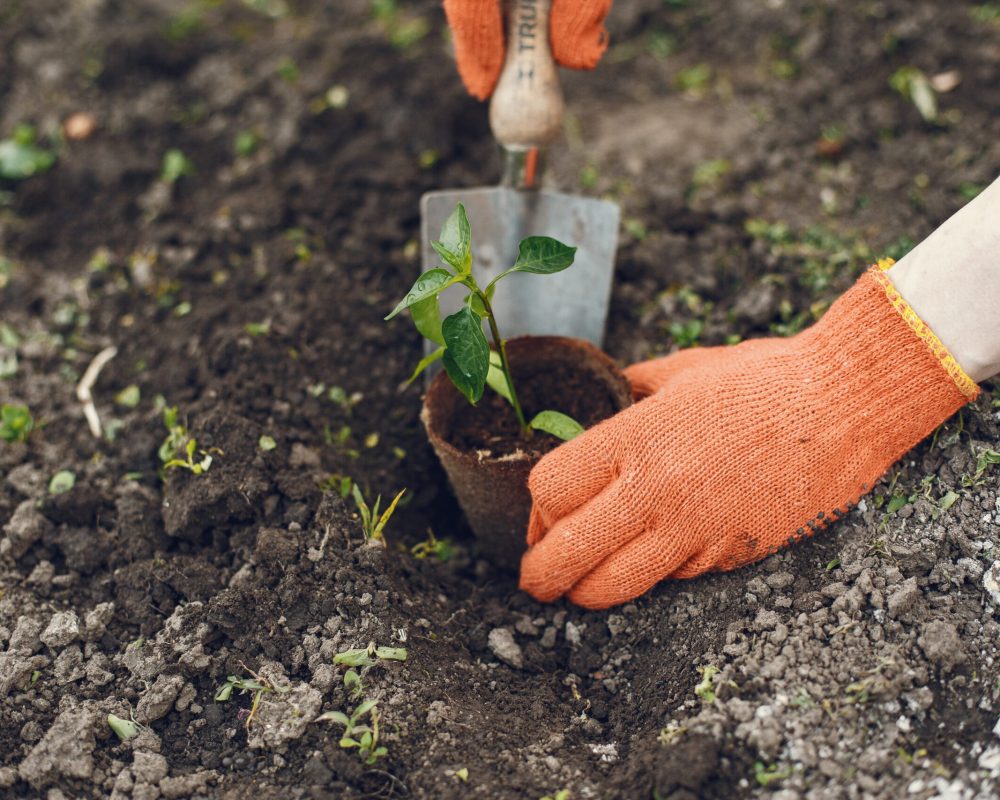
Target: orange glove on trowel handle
[(576, 30), (737, 451)]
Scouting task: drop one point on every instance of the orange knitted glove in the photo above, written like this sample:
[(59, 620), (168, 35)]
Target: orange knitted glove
[(737, 451), (576, 32)]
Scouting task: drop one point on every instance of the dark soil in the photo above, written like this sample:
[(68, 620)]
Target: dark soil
[(761, 160)]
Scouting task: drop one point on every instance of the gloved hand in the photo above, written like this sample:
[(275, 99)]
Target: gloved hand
[(737, 451), (576, 33)]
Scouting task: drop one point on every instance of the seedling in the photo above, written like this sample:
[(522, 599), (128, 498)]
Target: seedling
[(367, 657), (372, 523), (432, 547), (20, 157), (124, 729), (364, 736), (178, 450), (258, 686), (62, 482), (706, 688), (175, 166), (16, 423), (768, 774), (462, 346), (985, 460)]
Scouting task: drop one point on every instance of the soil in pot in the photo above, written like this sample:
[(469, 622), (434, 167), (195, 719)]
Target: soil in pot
[(482, 449)]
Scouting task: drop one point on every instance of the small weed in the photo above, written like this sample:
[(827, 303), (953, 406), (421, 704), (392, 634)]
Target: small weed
[(367, 657), (175, 166), (912, 84), (178, 450), (128, 397), (402, 31), (768, 774), (432, 547), (462, 774), (16, 423), (694, 80), (372, 523), (246, 143), (62, 482), (987, 13), (258, 328), (802, 700), (686, 334), (706, 688), (257, 685), (341, 484), (124, 729), (562, 794), (671, 733), (266, 443), (288, 70), (357, 733), (984, 462), (20, 157)]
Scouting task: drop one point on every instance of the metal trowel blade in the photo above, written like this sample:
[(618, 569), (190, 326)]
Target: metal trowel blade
[(569, 303)]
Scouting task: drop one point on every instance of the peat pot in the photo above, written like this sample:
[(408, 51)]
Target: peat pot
[(489, 475)]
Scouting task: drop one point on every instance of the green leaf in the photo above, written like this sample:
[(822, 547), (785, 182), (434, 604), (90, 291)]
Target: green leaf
[(425, 362), (467, 359), (496, 379), (224, 693), (543, 255), (391, 653), (364, 708), (124, 729), (354, 658), (266, 442), (948, 500), (128, 397), (62, 482), (558, 424), (334, 716), (20, 158), (427, 319), (455, 245), (896, 503), (427, 285)]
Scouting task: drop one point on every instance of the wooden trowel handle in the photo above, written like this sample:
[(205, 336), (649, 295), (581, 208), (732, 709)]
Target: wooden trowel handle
[(527, 106)]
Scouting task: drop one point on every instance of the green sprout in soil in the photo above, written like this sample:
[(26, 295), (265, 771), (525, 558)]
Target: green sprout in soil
[(178, 450), (20, 157), (124, 729), (175, 166), (912, 84), (367, 657), (562, 794), (985, 460), (706, 688), (16, 423), (357, 733), (432, 547), (257, 685), (462, 347), (768, 774), (62, 482), (372, 523)]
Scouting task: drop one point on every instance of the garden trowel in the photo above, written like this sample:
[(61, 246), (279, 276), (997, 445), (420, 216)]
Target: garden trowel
[(525, 115)]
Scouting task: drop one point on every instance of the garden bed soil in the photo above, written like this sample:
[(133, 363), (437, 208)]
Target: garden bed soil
[(859, 664)]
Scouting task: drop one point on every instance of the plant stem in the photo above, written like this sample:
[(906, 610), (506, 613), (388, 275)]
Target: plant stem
[(504, 364)]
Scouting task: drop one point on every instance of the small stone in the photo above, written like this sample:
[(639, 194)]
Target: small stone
[(157, 701), (942, 645), (902, 600), (283, 717), (63, 628), (149, 767), (504, 647), (66, 750), (548, 640), (187, 785), (26, 526), (766, 619), (834, 590), (573, 634), (780, 580), (95, 622), (991, 582)]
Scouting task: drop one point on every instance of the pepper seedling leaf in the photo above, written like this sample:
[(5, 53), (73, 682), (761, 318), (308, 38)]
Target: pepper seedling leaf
[(455, 245), (467, 359), (557, 423), (427, 285), (334, 716), (427, 319), (425, 362), (496, 379), (540, 255)]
